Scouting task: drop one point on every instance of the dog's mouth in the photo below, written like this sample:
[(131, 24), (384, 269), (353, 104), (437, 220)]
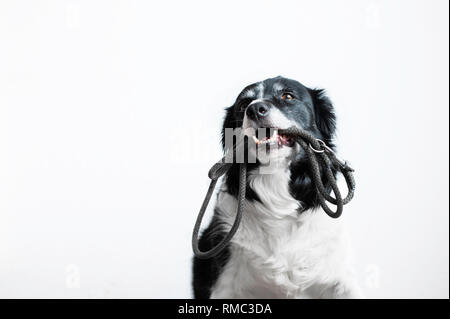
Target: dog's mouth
[(270, 137)]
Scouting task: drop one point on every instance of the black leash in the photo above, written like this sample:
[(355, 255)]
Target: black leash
[(319, 156)]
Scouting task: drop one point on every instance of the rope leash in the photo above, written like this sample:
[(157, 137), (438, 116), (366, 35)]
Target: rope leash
[(319, 156)]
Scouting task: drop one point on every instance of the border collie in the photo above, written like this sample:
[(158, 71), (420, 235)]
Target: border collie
[(286, 246)]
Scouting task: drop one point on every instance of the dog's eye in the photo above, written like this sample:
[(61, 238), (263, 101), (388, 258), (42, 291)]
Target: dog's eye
[(287, 96)]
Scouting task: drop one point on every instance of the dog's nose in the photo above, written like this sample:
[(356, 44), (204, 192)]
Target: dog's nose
[(258, 110)]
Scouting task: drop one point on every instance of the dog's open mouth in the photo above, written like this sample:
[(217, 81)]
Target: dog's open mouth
[(270, 137)]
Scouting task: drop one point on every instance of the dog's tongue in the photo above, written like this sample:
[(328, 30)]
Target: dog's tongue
[(284, 140)]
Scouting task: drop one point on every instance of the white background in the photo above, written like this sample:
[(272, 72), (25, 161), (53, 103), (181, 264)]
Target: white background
[(110, 114)]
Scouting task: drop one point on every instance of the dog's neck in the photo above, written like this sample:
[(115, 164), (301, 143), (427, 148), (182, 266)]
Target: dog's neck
[(270, 206), (272, 186), (287, 179)]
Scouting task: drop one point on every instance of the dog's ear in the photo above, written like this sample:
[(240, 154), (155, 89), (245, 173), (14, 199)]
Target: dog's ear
[(229, 122), (324, 114)]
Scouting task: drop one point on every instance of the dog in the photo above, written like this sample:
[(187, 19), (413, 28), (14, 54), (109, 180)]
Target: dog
[(286, 246)]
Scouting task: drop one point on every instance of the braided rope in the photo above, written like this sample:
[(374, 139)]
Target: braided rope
[(320, 156)]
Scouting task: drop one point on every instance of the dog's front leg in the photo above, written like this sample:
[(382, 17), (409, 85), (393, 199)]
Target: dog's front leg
[(347, 289), (341, 289)]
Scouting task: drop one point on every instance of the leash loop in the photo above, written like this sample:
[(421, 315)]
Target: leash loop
[(322, 158), (215, 172)]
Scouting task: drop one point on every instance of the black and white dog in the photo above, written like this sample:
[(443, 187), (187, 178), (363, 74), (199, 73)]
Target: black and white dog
[(285, 247)]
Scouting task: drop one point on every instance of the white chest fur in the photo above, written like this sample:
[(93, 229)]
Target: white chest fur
[(278, 253)]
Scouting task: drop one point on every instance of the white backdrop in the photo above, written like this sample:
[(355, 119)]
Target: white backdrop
[(110, 115)]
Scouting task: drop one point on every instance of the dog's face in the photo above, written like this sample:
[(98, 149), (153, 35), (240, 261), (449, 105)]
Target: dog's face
[(278, 103)]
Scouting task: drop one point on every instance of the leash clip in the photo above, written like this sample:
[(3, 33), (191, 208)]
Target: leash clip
[(323, 145), (343, 163)]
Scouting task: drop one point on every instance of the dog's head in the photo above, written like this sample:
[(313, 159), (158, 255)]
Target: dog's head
[(278, 103)]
